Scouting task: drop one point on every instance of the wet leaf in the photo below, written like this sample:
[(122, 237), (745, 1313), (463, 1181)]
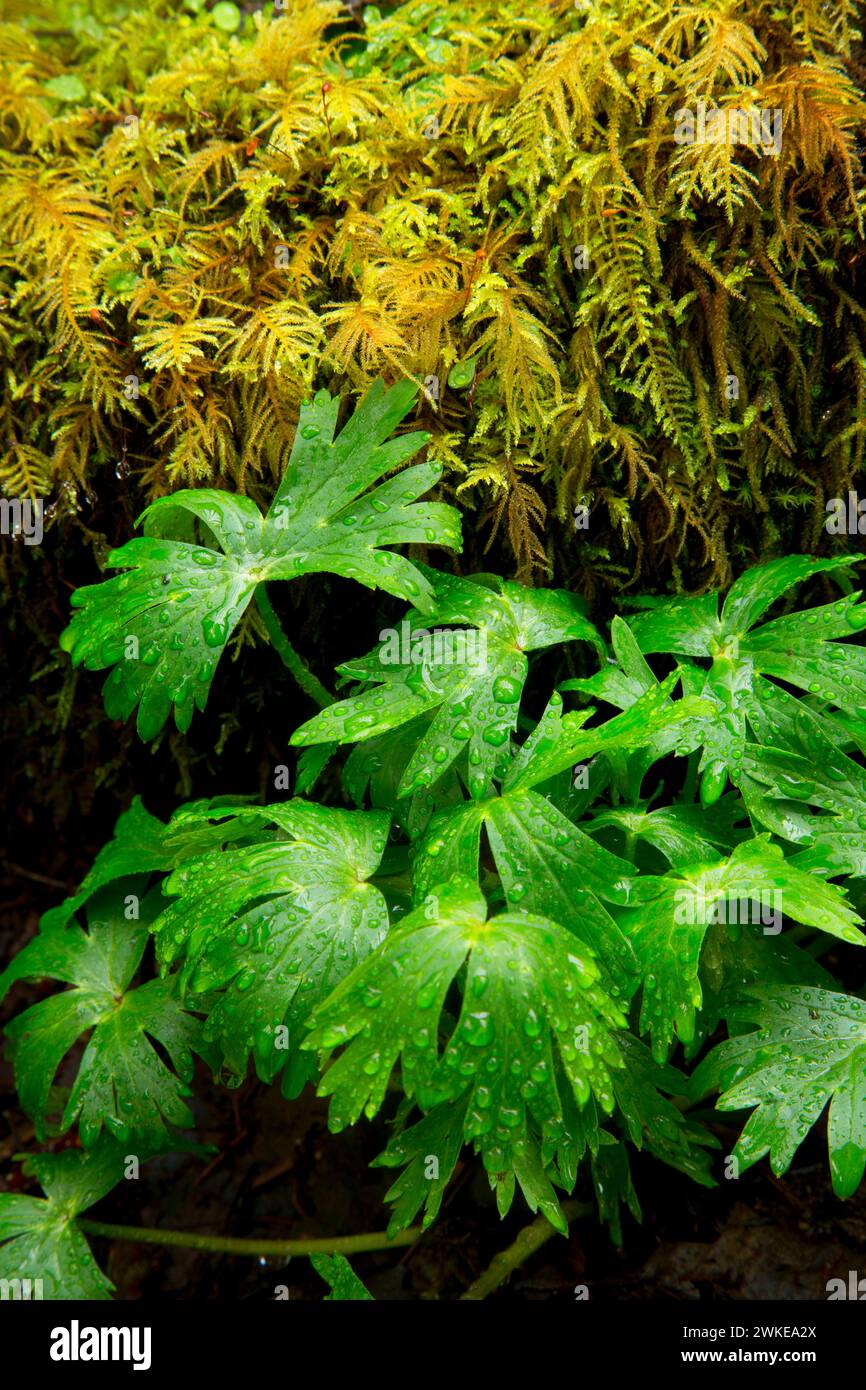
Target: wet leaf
[(122, 1082), (465, 663), (164, 624), (274, 925), (807, 1049), (39, 1235), (531, 1007)]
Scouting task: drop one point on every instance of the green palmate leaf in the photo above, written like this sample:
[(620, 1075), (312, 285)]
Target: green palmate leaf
[(164, 625), (469, 672), (531, 1007), (805, 788), (274, 925), (122, 1081), (547, 866), (800, 649), (652, 1121), (808, 1048), (340, 1278), (668, 930), (427, 1151), (683, 834), (142, 844), (40, 1240)]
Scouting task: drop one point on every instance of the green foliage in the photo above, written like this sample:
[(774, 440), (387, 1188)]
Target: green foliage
[(207, 213), (668, 931), (800, 649), (40, 1237), (808, 1048), (473, 680), (164, 626), (275, 924), (122, 1082), (340, 1278), (535, 918), (531, 1023)]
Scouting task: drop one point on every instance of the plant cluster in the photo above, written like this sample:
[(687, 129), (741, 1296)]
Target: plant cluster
[(208, 212), (515, 922)]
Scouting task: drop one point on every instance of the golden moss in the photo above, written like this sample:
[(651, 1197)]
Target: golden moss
[(200, 225)]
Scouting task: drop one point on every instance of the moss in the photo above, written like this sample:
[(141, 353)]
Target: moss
[(202, 223)]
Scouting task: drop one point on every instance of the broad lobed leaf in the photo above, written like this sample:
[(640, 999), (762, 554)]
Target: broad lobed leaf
[(465, 662), (122, 1082), (531, 1009), (807, 1048), (274, 925), (164, 625)]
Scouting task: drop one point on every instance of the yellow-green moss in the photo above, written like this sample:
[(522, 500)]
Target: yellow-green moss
[(438, 174)]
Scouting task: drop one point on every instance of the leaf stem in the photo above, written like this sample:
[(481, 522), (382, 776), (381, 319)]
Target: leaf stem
[(309, 683), (530, 1239), (230, 1245)]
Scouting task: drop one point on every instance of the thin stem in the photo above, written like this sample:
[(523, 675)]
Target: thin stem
[(230, 1245), (37, 878), (530, 1239), (290, 658)]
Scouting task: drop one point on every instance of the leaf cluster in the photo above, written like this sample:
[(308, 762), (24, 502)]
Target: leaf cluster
[(509, 924)]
